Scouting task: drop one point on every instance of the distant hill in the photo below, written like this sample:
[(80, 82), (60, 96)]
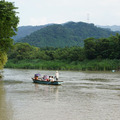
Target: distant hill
[(67, 34), (26, 30), (113, 27)]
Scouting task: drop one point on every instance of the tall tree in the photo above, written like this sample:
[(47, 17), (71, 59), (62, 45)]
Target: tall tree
[(90, 48), (8, 26)]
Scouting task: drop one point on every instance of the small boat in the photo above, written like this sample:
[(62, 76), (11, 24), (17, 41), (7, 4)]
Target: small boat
[(40, 81), (48, 80)]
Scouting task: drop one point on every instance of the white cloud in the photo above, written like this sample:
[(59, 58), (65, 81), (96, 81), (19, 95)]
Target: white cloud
[(37, 21)]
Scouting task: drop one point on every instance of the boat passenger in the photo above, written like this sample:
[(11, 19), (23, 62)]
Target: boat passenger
[(57, 75), (46, 78), (36, 77), (51, 78)]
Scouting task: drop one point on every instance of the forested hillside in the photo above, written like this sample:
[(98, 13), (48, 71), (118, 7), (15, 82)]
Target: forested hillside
[(26, 30), (65, 35)]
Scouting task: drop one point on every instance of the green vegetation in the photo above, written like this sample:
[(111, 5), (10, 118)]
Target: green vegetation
[(8, 26), (93, 65), (59, 45), (26, 30), (3, 59), (106, 48), (65, 35), (97, 54), (24, 51)]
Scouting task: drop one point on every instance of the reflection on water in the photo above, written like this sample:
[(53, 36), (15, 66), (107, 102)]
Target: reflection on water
[(5, 109), (83, 96)]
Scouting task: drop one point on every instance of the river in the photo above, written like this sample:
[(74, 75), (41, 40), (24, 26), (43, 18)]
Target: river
[(82, 96)]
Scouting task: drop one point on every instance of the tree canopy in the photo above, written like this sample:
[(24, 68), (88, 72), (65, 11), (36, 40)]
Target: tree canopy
[(65, 35), (103, 48), (8, 26), (97, 54)]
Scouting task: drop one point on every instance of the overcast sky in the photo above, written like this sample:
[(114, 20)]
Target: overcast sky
[(40, 12)]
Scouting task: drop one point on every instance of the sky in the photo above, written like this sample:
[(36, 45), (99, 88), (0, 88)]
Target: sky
[(41, 12)]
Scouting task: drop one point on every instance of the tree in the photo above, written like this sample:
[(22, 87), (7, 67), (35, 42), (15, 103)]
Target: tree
[(90, 48), (8, 26), (3, 59), (115, 45)]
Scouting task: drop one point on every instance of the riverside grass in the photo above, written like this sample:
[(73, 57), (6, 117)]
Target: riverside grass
[(92, 65)]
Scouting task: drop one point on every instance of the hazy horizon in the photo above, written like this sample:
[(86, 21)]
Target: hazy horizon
[(104, 12)]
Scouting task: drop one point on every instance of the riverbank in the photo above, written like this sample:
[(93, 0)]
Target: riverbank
[(93, 65)]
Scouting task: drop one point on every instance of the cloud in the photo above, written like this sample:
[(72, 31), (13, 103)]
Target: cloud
[(38, 21)]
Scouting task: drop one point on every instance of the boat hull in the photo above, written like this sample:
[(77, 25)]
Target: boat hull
[(47, 82)]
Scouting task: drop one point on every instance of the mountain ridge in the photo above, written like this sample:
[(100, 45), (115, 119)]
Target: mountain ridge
[(27, 30), (65, 35), (111, 27)]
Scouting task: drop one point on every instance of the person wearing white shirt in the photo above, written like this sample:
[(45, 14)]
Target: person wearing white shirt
[(57, 75)]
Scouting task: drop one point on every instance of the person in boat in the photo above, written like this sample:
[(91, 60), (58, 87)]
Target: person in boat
[(57, 75), (45, 78), (51, 78), (36, 76)]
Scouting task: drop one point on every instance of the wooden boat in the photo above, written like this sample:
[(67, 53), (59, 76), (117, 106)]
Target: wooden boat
[(39, 81)]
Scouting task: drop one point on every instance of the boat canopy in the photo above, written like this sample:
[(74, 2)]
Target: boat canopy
[(37, 75)]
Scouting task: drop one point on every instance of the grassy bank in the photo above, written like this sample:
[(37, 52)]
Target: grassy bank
[(94, 65)]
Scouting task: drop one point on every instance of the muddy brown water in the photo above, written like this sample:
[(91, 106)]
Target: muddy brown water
[(82, 96)]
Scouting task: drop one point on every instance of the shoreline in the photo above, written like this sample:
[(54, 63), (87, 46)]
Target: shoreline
[(86, 65)]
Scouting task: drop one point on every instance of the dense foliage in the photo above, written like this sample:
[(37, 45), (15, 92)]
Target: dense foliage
[(25, 51), (3, 59), (25, 31), (65, 35), (97, 54), (105, 64), (103, 48), (8, 26)]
